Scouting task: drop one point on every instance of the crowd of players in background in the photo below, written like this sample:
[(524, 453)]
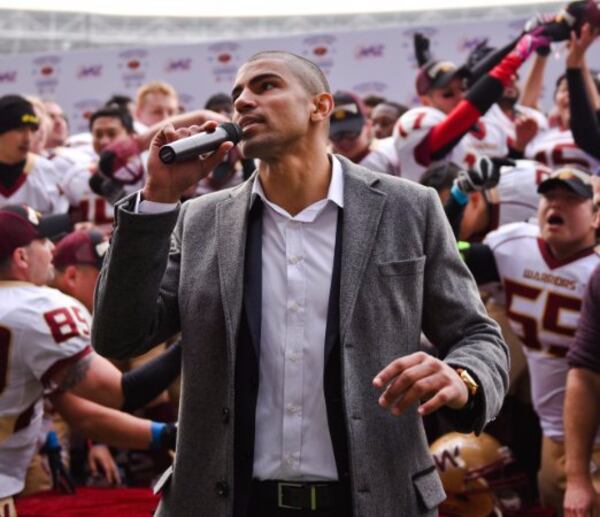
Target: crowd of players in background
[(517, 184)]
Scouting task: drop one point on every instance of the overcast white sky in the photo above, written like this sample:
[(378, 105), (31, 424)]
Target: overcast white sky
[(246, 7)]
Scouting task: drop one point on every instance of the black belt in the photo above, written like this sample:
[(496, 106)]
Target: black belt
[(293, 495)]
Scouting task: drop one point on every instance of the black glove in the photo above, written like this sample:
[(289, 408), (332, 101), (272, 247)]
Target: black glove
[(61, 479), (422, 50), (484, 175)]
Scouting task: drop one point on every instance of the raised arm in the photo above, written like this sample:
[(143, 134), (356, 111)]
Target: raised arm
[(136, 303), (584, 106)]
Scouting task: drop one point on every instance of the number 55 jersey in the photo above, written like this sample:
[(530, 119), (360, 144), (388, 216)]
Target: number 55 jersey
[(41, 331), (543, 302)]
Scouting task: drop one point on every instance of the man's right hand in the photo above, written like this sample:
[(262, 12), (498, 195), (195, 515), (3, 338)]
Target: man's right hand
[(581, 500), (167, 183)]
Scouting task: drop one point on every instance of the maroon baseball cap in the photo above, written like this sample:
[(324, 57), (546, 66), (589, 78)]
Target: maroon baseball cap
[(21, 224), (81, 247), (437, 74)]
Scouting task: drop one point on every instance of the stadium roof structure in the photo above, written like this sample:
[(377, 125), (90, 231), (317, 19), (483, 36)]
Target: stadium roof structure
[(24, 31)]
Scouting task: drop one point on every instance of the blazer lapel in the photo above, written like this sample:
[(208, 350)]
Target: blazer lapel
[(363, 206), (232, 225)]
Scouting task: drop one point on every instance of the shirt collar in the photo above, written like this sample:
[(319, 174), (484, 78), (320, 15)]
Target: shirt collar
[(334, 194)]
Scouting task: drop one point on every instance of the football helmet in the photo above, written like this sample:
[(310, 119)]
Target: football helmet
[(472, 471)]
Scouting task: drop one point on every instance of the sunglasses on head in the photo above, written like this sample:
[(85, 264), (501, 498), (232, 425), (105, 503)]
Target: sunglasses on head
[(449, 94)]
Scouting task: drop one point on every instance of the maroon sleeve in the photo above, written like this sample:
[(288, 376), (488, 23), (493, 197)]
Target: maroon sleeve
[(486, 91), (585, 351)]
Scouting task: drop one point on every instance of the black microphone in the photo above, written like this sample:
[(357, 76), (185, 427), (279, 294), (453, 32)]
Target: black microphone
[(193, 146)]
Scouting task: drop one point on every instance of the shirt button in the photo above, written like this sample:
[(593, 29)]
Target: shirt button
[(225, 416), (293, 260), (222, 488), (289, 460), (293, 408), (294, 307), (294, 356)]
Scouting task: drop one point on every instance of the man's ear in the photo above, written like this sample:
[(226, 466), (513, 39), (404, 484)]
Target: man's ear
[(20, 257), (70, 275), (322, 106)]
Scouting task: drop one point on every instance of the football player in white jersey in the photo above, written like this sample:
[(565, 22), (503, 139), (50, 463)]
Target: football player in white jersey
[(107, 126), (351, 135), (44, 348), (556, 146), (436, 131), (25, 177), (544, 269)]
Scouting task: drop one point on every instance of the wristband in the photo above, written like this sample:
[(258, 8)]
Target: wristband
[(156, 430), (459, 196)]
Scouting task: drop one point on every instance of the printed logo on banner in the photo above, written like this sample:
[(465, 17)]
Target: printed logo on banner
[(82, 111), (8, 76), (46, 72), (408, 45), (224, 60), (133, 65), (89, 71), (372, 51), (321, 50), (178, 65), (370, 87)]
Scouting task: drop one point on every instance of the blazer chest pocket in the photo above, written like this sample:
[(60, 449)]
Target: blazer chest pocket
[(409, 267)]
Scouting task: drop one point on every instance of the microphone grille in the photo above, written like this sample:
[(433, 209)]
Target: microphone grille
[(234, 132)]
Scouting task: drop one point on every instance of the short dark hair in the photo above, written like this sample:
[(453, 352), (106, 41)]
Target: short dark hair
[(113, 112), (373, 100), (119, 101), (400, 108), (310, 75), (218, 100), (440, 176)]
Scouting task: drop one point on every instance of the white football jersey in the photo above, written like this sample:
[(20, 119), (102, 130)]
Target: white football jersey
[(556, 147), (41, 329), (86, 203), (383, 157), (515, 198), (63, 158), (543, 302), (496, 117), (412, 128), (38, 187)]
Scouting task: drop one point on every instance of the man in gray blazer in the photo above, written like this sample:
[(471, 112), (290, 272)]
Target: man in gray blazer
[(300, 296)]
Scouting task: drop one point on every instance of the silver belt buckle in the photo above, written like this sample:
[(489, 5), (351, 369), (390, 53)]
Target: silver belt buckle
[(280, 504)]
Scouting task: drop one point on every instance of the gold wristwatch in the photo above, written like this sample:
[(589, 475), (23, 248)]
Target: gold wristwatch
[(470, 383)]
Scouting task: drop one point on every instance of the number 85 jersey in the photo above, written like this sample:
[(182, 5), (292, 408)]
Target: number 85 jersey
[(543, 303), (41, 331)]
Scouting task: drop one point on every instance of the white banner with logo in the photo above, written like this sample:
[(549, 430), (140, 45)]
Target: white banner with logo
[(366, 61)]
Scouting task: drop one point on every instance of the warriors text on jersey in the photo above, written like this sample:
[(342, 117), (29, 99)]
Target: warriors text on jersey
[(543, 301), (41, 331)]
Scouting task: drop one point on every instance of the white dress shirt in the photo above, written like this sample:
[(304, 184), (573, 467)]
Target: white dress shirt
[(292, 439)]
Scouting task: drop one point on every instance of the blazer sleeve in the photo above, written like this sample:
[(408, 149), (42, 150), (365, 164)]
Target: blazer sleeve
[(456, 322), (135, 302)]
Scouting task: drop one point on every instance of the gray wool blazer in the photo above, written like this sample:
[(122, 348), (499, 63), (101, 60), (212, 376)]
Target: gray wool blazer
[(400, 274)]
